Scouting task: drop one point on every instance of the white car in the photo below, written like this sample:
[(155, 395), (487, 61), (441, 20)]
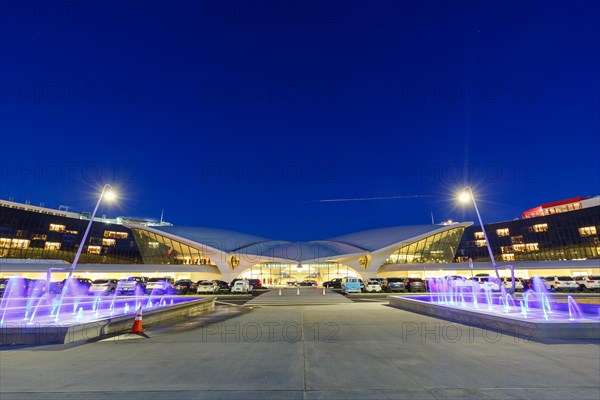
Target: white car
[(507, 283), (487, 282), (373, 286), (207, 287), (160, 285), (588, 282), (242, 286), (459, 281), (103, 286), (555, 283)]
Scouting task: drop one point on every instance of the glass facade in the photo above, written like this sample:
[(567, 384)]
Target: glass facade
[(438, 248), (33, 235), (281, 273), (564, 236), (158, 249)]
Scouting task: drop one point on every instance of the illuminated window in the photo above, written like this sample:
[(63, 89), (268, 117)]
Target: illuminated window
[(115, 235), (153, 245), (540, 228), (108, 242), (19, 243), (57, 228), (94, 249), (508, 257), (502, 232), (480, 243), (5, 242), (39, 236), (52, 246), (478, 235), (516, 239), (518, 247), (72, 232), (587, 231), (506, 249), (532, 247)]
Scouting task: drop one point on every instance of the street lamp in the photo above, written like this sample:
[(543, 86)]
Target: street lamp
[(465, 196), (108, 194)]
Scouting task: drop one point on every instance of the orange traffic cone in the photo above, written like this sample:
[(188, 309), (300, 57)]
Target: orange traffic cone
[(137, 324)]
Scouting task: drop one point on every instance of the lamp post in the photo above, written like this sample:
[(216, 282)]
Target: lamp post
[(465, 196), (109, 195)]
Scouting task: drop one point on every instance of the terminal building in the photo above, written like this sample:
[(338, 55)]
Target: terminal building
[(555, 238)]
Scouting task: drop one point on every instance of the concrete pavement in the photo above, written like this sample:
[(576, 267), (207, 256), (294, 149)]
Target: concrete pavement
[(346, 351)]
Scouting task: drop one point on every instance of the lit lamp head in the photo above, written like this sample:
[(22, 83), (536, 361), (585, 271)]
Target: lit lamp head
[(464, 197), (110, 195)]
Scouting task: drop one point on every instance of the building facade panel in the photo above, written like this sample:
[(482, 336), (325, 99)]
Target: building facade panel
[(569, 235)]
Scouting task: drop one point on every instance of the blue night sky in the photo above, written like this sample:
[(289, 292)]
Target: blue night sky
[(242, 115)]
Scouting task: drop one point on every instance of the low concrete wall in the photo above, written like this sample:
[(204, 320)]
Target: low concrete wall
[(53, 333), (499, 323)]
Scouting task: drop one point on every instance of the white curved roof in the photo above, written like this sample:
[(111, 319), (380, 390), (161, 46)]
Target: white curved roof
[(376, 239), (351, 244), (221, 239)]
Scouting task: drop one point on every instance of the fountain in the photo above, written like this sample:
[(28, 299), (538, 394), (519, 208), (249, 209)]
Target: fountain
[(536, 314), (33, 313)]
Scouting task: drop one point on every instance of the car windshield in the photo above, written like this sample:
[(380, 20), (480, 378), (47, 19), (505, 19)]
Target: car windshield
[(209, 283), (565, 278), (134, 278), (99, 281), (415, 280), (157, 279), (594, 278), (239, 283)]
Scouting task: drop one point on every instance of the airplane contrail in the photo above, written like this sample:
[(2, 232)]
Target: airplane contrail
[(370, 198)]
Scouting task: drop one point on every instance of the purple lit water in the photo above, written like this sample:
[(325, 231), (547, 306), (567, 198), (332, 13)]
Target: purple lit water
[(535, 304), (72, 306)]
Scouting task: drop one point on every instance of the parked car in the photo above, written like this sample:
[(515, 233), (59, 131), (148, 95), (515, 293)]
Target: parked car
[(507, 283), (103, 286), (35, 287), (207, 287), (395, 284), (487, 282), (335, 283), (415, 284), (183, 286), (351, 285), (3, 284), (588, 282), (309, 282), (255, 283), (289, 283), (460, 281), (373, 286), (16, 285), (527, 283), (160, 285), (555, 283), (75, 287), (223, 286), (382, 282), (133, 284), (362, 285), (241, 286)]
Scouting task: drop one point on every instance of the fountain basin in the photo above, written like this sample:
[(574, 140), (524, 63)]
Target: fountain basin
[(535, 326), (47, 331)]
